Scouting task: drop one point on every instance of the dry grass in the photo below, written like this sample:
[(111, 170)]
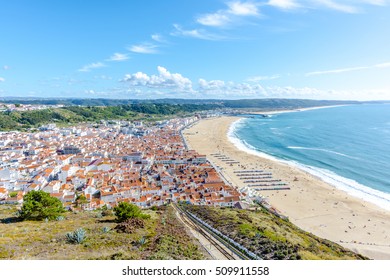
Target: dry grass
[(269, 236), (46, 240)]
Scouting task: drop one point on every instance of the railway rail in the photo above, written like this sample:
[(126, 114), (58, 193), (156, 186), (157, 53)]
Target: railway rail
[(211, 237)]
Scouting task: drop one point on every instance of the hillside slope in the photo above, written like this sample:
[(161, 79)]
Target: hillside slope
[(269, 236), (162, 237)]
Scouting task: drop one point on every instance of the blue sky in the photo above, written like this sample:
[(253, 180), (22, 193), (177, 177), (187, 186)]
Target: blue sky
[(317, 49)]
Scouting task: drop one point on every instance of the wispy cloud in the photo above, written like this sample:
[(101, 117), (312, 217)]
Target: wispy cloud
[(344, 6), (194, 33), (350, 69), (234, 11), (89, 67), (119, 57), (382, 65), (102, 77), (2, 79), (216, 19), (336, 71), (145, 48), (5, 67), (243, 8), (331, 4), (262, 78), (218, 88), (158, 38), (284, 4)]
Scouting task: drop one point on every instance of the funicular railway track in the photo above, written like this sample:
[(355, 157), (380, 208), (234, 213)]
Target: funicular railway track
[(225, 249)]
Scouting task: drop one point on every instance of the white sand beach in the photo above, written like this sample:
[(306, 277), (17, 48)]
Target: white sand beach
[(311, 204)]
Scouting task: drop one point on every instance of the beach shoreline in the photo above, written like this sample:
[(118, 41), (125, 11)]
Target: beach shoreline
[(310, 203), (350, 186)]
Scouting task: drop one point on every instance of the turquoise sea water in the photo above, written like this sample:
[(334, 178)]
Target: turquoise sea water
[(347, 146)]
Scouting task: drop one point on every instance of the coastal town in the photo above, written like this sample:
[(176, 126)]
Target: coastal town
[(110, 162)]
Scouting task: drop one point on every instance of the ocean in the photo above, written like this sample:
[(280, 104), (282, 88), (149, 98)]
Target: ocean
[(346, 146)]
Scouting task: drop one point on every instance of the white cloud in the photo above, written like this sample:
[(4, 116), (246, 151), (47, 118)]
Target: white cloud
[(119, 57), (262, 78), (222, 89), (194, 33), (382, 65), (211, 85), (91, 66), (2, 79), (243, 8), (91, 91), (335, 71), (164, 79), (331, 4), (158, 38), (345, 6), (292, 92), (146, 48), (227, 16), (284, 4), (216, 19), (350, 69), (167, 84), (5, 67)]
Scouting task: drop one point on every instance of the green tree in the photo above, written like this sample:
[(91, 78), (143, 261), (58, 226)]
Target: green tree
[(125, 211), (39, 205), (81, 200)]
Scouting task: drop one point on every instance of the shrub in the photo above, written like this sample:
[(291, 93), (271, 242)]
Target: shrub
[(125, 211), (130, 225), (81, 200), (39, 205), (76, 237), (106, 213), (106, 229), (99, 215), (13, 194), (142, 241)]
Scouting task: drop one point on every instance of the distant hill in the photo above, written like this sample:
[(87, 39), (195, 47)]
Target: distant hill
[(93, 110), (21, 120), (241, 103)]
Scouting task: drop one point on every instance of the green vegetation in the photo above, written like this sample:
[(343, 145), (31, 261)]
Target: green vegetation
[(81, 200), (39, 205), (76, 237), (269, 236), (22, 120), (13, 194), (155, 240), (125, 211), (206, 104), (94, 110)]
